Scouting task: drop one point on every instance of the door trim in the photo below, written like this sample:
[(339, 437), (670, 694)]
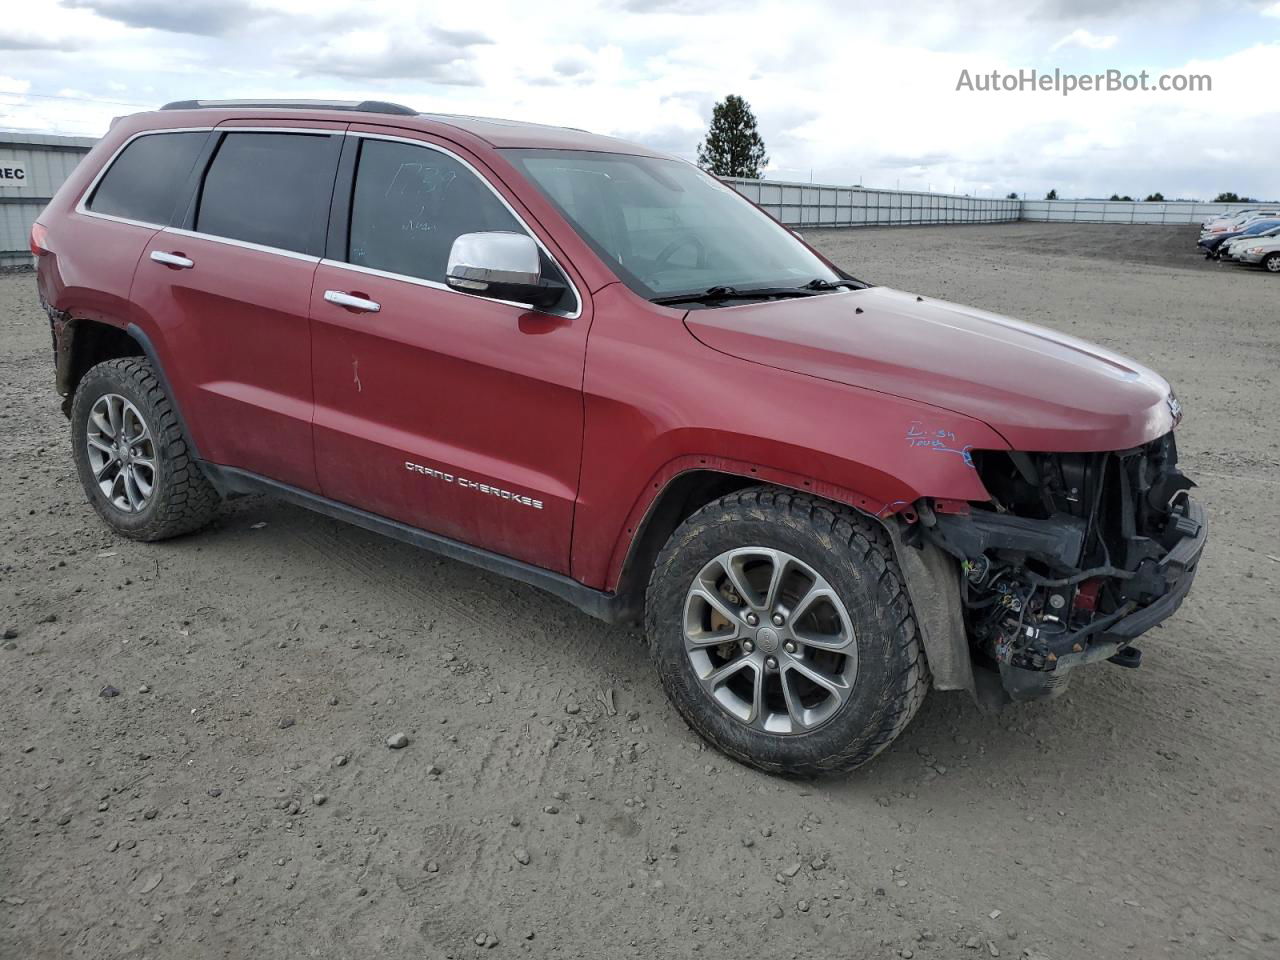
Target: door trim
[(609, 607), (347, 135), (232, 242)]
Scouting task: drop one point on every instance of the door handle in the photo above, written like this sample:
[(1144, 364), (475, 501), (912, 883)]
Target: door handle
[(172, 259), (352, 302)]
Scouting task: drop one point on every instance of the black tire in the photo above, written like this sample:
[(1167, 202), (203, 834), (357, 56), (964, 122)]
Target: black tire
[(1271, 262), (854, 554), (182, 500)]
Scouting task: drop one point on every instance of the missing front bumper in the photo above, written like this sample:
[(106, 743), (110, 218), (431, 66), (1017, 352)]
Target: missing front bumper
[(1109, 638)]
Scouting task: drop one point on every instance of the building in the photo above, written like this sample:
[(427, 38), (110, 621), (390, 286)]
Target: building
[(32, 167)]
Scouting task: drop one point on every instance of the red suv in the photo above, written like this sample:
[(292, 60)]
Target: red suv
[(599, 370)]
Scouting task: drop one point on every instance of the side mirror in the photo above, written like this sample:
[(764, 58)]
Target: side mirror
[(506, 266)]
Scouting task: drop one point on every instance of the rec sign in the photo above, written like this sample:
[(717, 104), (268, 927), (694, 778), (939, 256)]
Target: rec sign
[(12, 174)]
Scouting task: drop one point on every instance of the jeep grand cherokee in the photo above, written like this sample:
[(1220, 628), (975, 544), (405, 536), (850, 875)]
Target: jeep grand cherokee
[(599, 370)]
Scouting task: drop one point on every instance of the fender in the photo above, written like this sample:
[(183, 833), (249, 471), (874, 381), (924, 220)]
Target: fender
[(932, 577), (659, 483)]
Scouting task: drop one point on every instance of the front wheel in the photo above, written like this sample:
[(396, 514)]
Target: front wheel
[(782, 630), (1271, 262)]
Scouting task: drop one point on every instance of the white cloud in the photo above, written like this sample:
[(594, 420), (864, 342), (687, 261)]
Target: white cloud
[(1083, 38), (1271, 11), (435, 55), (199, 17), (869, 98)]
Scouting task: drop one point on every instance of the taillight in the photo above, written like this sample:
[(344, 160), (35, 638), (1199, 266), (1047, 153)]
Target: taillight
[(39, 239)]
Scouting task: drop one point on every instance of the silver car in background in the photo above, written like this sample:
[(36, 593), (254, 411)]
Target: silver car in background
[(1233, 247), (1260, 251)]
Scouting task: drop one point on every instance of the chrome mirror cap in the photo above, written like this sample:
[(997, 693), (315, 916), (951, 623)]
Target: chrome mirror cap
[(478, 261), (504, 266)]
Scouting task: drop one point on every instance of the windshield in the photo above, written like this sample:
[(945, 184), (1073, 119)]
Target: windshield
[(665, 227)]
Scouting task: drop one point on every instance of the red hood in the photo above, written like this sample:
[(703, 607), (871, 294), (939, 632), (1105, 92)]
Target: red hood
[(1041, 390)]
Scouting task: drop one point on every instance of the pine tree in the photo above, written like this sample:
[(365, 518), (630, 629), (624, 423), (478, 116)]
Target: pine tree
[(1052, 194), (733, 147)]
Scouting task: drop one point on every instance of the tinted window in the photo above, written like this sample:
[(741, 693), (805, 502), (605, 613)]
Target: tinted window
[(269, 188), (410, 203), (146, 179)]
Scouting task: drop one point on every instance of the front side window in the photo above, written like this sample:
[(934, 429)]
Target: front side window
[(410, 203), (665, 227), (145, 181), (269, 188)]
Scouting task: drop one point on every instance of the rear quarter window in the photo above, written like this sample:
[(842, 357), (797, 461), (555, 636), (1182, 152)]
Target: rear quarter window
[(145, 181)]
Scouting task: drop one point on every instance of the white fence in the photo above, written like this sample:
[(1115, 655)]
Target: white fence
[(1125, 211), (822, 205)]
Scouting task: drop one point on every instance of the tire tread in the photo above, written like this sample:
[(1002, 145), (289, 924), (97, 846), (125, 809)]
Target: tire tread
[(870, 547), (189, 501)]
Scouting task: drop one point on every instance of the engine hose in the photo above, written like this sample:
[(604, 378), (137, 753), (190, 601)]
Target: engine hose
[(1040, 581)]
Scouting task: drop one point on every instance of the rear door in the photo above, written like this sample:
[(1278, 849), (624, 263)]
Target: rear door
[(446, 411), (132, 198), (230, 287)]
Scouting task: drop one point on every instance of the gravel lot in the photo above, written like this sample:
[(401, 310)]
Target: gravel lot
[(238, 798)]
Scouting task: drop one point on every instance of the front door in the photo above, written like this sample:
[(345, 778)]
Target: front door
[(449, 412)]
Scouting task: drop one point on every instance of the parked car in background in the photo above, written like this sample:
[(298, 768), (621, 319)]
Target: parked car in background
[(1223, 218), (1237, 220), (1261, 252), (1210, 244), (1230, 247)]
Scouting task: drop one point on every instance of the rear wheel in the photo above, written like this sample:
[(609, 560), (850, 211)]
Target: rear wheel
[(782, 631), (134, 462)]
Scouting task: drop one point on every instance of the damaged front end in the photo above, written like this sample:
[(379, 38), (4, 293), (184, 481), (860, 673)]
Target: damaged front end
[(1074, 557)]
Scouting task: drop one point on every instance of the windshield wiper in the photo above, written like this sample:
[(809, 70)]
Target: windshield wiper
[(713, 294), (818, 283)]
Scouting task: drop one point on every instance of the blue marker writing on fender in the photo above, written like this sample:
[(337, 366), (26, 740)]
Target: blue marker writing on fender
[(940, 441)]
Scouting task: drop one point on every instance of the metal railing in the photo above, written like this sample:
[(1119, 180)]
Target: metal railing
[(1127, 211), (826, 205)]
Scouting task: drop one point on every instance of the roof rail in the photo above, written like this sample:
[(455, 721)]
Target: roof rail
[(361, 106)]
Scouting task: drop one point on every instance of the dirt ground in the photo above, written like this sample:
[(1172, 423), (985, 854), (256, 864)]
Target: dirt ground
[(238, 799)]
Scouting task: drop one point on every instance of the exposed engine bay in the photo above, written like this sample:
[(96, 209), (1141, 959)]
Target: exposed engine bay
[(1074, 556)]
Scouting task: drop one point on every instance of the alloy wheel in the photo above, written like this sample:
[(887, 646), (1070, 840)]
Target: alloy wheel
[(770, 641), (122, 453)]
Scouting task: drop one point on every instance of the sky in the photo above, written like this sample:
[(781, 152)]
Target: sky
[(844, 92)]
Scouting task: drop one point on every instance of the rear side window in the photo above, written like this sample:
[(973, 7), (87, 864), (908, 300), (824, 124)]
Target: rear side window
[(269, 188), (410, 203), (145, 181)]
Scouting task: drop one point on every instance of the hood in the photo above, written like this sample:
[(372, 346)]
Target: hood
[(1041, 390)]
